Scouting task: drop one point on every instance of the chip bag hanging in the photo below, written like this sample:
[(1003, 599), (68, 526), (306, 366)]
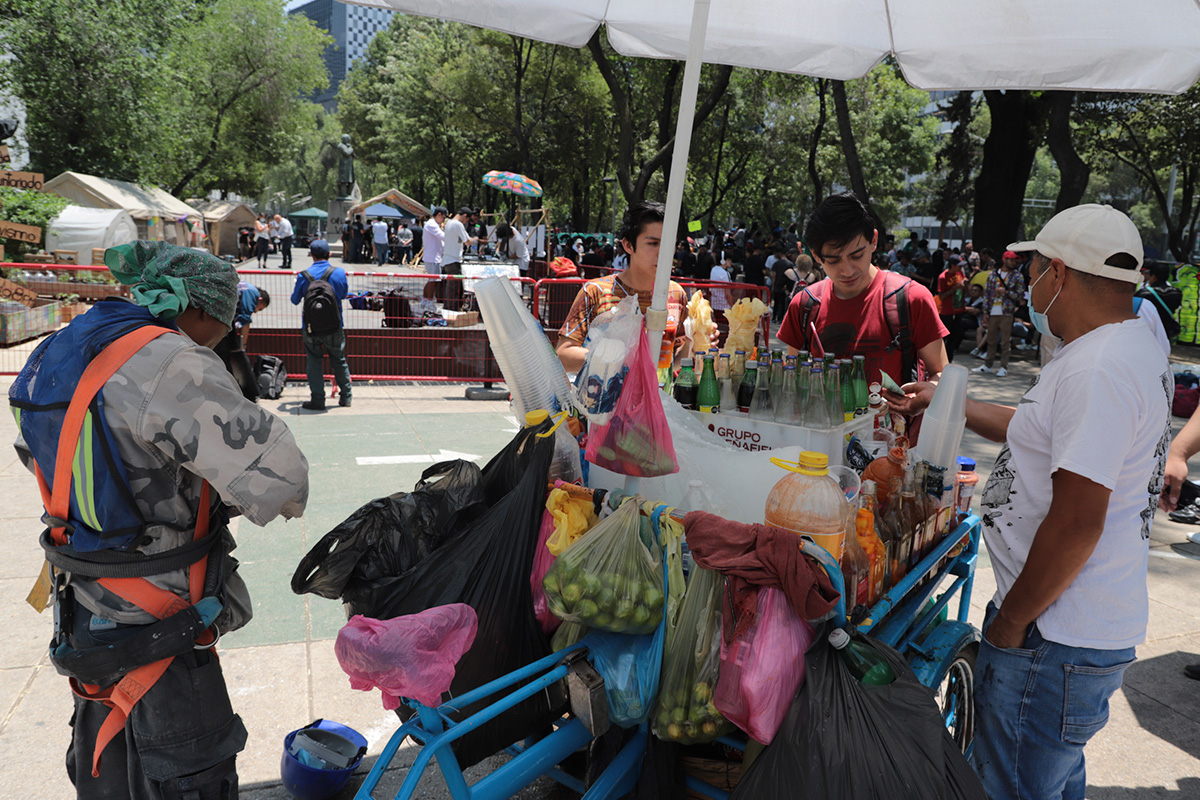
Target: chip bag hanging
[(637, 440), (686, 712), (608, 579)]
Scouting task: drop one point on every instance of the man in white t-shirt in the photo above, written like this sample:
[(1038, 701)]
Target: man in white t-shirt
[(456, 239), (1067, 511), (286, 235), (379, 235), (432, 241), (720, 295)]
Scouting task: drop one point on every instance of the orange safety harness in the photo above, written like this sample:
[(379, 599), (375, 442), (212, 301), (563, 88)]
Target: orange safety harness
[(122, 696)]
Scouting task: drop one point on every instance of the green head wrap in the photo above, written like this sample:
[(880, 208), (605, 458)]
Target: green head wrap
[(167, 278)]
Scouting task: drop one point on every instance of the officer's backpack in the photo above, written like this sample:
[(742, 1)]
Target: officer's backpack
[(271, 375), (321, 308)]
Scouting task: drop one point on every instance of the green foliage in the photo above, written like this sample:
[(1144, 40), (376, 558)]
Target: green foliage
[(190, 95), (308, 161), (27, 208)]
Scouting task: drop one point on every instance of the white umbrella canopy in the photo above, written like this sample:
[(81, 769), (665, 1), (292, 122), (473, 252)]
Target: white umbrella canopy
[(1092, 45), (1098, 45)]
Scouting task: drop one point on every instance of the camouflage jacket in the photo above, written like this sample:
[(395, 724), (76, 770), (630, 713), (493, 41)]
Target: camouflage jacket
[(179, 419)]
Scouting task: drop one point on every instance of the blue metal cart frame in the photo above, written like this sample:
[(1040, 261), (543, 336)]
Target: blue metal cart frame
[(907, 618)]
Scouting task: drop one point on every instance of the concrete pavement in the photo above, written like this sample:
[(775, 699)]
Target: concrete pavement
[(282, 672)]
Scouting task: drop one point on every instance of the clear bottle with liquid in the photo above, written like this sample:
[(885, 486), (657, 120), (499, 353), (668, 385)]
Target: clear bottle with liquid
[(870, 541), (816, 409), (727, 383), (858, 378), (856, 567), (833, 395), (787, 404), (762, 406)]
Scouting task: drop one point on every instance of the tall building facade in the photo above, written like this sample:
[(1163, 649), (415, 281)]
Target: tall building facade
[(352, 28)]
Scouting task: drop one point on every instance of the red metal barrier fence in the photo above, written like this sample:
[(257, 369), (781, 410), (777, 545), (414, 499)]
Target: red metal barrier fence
[(388, 336)]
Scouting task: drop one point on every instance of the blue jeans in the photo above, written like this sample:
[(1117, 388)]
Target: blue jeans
[(1036, 706), (381, 253), (315, 347)]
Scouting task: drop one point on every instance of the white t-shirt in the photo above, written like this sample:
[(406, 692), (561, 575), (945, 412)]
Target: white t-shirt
[(379, 231), (518, 251), (285, 228), (1102, 410), (432, 242), (1149, 314), (720, 296), (456, 237)]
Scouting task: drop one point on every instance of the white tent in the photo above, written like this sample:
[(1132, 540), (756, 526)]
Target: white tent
[(159, 215), (1098, 45), (81, 229)]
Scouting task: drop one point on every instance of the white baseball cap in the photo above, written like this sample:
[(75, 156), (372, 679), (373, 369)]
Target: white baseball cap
[(1086, 236)]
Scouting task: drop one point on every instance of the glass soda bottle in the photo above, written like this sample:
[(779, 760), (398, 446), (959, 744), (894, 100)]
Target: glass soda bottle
[(727, 383), (708, 394), (894, 525), (686, 385), (858, 378), (833, 395), (856, 567), (816, 409), (847, 391), (762, 406), (787, 404), (745, 392), (864, 662)]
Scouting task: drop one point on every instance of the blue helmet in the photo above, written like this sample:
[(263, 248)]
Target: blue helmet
[(319, 759)]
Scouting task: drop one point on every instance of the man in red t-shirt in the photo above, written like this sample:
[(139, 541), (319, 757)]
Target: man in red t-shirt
[(851, 317), (951, 286)]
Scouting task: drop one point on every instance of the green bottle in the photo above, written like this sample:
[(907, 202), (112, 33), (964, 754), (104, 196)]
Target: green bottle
[(858, 376), (847, 390), (708, 398), (864, 663), (745, 392), (684, 391)]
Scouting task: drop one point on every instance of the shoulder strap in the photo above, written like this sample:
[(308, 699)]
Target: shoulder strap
[(895, 312), (1158, 299), (810, 301), (1137, 304), (328, 272), (102, 367)]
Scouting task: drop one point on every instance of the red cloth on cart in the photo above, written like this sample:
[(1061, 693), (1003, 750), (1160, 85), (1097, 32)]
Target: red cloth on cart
[(757, 555)]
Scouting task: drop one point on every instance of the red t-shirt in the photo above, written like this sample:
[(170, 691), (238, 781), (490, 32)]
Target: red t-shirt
[(953, 304), (859, 326)]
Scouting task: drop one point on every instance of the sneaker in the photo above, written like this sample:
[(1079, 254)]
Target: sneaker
[(345, 400), (1194, 537), (982, 368), (1192, 671), (1002, 372), (975, 352), (313, 405), (1187, 515)]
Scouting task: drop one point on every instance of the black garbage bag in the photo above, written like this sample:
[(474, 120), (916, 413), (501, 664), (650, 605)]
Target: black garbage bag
[(391, 535), (486, 564), (843, 739)]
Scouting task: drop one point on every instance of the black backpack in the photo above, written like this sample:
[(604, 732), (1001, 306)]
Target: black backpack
[(321, 307), (271, 375)]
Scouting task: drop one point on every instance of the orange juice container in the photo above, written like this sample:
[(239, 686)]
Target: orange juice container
[(809, 501)]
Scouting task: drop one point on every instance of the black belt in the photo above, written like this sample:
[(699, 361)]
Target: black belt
[(123, 564)]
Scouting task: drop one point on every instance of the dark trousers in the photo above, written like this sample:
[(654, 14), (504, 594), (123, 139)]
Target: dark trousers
[(953, 323), (450, 292), (285, 247), (180, 741), (238, 363), (333, 345), (356, 243)]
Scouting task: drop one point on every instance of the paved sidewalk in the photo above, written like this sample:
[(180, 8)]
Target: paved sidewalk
[(282, 672)]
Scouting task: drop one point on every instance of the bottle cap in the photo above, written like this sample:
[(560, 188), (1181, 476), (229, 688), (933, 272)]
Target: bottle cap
[(860, 358), (740, 352), (810, 460), (875, 388), (724, 355), (686, 362), (792, 367), (536, 417), (839, 638), (966, 464), (695, 484)]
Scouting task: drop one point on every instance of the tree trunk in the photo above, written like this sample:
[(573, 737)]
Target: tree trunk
[(1018, 127), (1073, 171), (814, 174), (858, 181), (712, 199)]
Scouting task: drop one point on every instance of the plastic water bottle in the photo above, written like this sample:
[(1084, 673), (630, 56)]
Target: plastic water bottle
[(565, 465)]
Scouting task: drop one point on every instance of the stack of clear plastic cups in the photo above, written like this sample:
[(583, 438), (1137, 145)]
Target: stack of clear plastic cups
[(521, 349), (943, 422)]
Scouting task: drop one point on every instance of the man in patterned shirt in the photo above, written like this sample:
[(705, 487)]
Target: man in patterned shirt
[(172, 450)]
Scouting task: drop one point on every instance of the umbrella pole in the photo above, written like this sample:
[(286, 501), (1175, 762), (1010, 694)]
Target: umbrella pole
[(656, 317)]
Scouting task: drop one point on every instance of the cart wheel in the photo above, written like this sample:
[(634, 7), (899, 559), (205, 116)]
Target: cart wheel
[(956, 696)]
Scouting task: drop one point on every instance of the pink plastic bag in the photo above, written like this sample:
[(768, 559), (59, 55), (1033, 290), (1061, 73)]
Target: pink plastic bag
[(637, 440), (762, 669), (412, 656), (542, 561)]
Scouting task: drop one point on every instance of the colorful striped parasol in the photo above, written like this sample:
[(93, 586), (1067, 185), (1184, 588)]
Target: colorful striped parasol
[(513, 183)]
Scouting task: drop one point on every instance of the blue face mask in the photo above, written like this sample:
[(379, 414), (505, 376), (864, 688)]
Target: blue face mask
[(1039, 319)]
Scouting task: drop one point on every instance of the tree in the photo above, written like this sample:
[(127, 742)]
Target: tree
[(242, 67), (28, 207), (958, 156), (94, 80), (308, 161), (1154, 136), (1019, 120), (645, 91)]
